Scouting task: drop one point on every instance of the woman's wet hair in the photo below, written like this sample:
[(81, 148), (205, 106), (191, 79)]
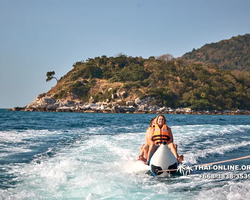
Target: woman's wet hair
[(151, 122), (164, 118)]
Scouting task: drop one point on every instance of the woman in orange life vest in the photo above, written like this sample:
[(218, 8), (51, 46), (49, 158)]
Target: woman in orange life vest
[(144, 148), (161, 132)]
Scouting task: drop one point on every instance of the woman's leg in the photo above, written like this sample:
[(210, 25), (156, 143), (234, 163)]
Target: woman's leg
[(145, 155), (141, 152), (173, 149)]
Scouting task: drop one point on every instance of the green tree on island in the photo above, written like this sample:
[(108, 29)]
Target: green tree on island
[(50, 76)]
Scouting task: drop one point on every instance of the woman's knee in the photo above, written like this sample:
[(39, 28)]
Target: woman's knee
[(171, 145)]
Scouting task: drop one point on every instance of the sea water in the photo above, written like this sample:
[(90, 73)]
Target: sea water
[(89, 156)]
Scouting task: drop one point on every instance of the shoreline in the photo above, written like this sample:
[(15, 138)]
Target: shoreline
[(44, 103), (77, 110)]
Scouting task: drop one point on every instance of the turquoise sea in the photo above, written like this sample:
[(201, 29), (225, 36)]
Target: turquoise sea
[(89, 156)]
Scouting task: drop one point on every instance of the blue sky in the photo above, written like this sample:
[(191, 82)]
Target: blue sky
[(38, 36)]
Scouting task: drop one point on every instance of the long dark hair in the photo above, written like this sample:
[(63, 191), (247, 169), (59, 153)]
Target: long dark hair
[(151, 122)]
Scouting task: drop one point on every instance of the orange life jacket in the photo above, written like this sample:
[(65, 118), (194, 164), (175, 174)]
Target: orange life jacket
[(161, 135)]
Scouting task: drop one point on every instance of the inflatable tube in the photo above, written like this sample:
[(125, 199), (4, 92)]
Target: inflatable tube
[(140, 167), (163, 159)]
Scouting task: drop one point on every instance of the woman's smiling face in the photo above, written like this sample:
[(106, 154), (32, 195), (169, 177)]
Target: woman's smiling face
[(160, 121)]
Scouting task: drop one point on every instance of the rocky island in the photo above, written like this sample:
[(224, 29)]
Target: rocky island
[(214, 79)]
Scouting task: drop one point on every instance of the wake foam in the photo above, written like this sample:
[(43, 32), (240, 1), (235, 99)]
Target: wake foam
[(193, 157), (96, 166), (230, 190)]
